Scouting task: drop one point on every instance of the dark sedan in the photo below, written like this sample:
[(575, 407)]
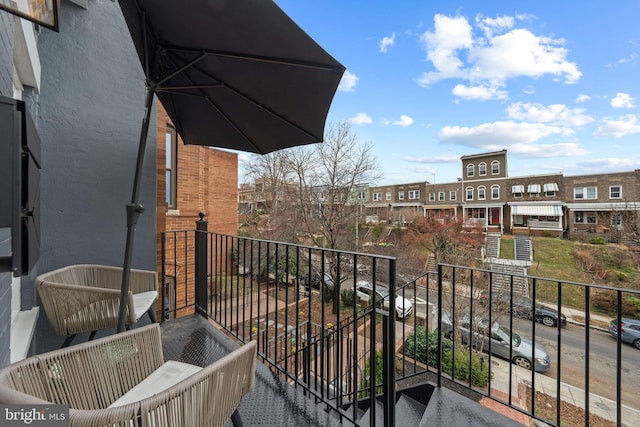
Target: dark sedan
[(522, 307)]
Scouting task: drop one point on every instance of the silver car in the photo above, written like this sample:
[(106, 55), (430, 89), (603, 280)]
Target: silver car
[(630, 331), (504, 343)]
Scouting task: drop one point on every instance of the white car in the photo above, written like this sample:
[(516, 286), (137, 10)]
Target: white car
[(364, 291)]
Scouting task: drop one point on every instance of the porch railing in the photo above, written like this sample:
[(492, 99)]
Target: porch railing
[(345, 352)]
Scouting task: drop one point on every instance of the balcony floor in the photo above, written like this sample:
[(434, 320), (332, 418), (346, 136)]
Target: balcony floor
[(271, 402)]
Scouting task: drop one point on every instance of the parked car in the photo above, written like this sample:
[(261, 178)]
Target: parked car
[(522, 307), (630, 331), (503, 341), (364, 292)]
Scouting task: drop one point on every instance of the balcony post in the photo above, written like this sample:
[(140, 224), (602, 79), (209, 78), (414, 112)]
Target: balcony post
[(201, 264), (389, 352)]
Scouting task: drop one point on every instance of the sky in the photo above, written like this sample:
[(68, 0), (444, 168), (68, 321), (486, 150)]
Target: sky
[(555, 83)]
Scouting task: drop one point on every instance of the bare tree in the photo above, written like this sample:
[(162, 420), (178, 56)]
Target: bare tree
[(329, 176), (272, 178)]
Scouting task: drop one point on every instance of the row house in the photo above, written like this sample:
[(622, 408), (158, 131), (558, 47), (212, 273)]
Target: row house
[(487, 197), (602, 203), (396, 204)]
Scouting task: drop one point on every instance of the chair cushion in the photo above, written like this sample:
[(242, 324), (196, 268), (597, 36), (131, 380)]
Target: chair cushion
[(142, 302), (166, 376)]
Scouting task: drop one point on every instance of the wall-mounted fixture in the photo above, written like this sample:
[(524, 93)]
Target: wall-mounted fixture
[(19, 188)]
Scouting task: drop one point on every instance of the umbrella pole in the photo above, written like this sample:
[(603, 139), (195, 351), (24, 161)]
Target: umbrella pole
[(134, 209)]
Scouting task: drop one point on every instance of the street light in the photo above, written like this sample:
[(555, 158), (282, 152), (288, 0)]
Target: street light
[(42, 12)]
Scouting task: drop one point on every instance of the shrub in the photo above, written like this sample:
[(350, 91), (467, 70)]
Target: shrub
[(607, 301), (424, 347), (479, 374), (377, 230), (348, 297), (597, 240)]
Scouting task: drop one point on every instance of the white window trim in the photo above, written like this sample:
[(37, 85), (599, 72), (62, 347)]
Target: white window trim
[(388, 195), (480, 166), (482, 193), (400, 195), (453, 195), (618, 186), (585, 193), (471, 168), (468, 191), (495, 187), (495, 163)]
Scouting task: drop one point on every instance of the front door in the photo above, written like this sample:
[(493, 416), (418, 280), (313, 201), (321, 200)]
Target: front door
[(495, 216)]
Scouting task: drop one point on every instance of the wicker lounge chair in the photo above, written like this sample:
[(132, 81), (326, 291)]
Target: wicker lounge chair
[(86, 298), (122, 380)]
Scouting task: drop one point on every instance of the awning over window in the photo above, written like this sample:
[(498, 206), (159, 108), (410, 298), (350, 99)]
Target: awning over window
[(533, 188), (517, 189), (537, 210), (550, 187)]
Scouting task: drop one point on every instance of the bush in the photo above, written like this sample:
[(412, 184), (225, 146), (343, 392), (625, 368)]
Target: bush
[(348, 297), (607, 302), (424, 348), (377, 230), (597, 240), (479, 375)]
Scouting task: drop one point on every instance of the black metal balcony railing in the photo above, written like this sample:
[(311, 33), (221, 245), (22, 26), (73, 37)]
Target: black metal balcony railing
[(345, 353)]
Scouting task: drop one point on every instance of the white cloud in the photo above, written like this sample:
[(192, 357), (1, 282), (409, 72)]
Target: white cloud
[(610, 163), (494, 136), (582, 98), (361, 119), (348, 82), (557, 114), (625, 125), (433, 159), (450, 35), (622, 100), (620, 61), (501, 53), (404, 121), (481, 93), (387, 42), (491, 25), (546, 151)]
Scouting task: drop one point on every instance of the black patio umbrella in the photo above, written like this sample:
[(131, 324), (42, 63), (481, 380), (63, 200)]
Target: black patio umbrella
[(236, 74)]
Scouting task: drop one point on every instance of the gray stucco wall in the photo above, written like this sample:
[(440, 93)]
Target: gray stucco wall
[(89, 116), (6, 89)]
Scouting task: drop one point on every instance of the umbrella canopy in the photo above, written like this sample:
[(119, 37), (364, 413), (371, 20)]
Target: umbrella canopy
[(236, 74)]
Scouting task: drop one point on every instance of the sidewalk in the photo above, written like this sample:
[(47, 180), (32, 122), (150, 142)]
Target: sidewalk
[(598, 405)]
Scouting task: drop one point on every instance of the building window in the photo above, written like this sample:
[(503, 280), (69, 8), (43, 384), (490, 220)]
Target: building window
[(585, 193), (441, 196), (469, 191), (615, 192), (482, 193), (495, 167), (414, 194), (471, 170), (362, 195), (517, 191), (482, 169), (400, 195), (550, 189), (534, 190), (452, 195), (388, 195), (432, 197), (583, 217), (495, 192), (170, 166), (377, 197)]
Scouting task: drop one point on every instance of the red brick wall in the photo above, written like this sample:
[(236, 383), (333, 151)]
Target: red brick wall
[(207, 181)]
